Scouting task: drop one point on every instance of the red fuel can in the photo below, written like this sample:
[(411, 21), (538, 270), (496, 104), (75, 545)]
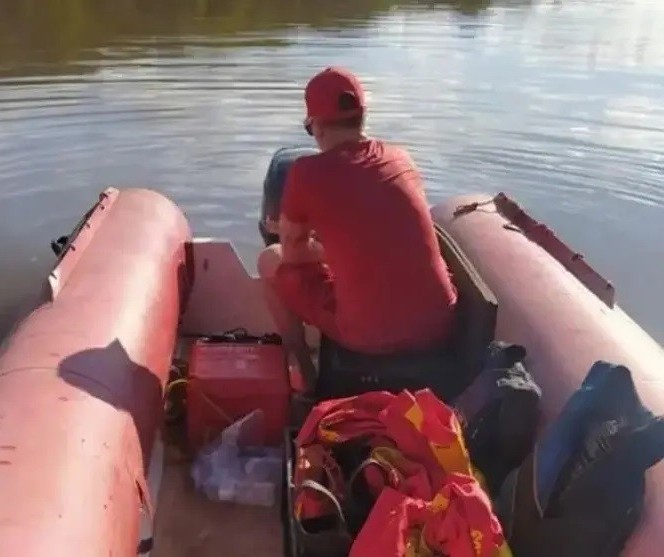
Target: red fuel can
[(229, 377)]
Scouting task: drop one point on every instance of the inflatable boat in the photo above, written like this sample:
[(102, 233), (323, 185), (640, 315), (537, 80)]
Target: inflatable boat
[(85, 469)]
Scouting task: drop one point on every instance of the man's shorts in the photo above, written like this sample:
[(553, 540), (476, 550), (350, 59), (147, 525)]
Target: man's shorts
[(307, 289)]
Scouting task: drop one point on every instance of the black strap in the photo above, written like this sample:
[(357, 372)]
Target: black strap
[(236, 335), (145, 546)]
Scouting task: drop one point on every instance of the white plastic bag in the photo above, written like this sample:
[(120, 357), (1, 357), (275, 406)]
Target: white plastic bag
[(236, 467)]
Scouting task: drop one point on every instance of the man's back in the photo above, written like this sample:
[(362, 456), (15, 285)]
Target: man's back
[(366, 203)]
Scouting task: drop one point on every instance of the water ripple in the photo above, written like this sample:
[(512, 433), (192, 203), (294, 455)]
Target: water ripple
[(557, 104)]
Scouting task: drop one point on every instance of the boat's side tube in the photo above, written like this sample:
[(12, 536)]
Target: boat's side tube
[(563, 312), (81, 382)]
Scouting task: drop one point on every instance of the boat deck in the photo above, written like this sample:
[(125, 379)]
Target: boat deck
[(189, 525)]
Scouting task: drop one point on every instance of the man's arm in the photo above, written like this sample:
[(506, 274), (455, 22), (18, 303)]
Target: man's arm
[(295, 231)]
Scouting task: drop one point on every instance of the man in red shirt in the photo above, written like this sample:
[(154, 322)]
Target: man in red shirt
[(358, 257)]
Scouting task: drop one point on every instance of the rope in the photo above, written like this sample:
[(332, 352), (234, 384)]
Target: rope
[(470, 207)]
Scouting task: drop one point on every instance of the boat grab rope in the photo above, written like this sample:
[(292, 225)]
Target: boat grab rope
[(520, 221), (470, 207)]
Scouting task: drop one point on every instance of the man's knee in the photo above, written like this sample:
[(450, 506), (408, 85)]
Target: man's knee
[(268, 261)]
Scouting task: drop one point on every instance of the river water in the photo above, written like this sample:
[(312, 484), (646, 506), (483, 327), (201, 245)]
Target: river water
[(558, 103)]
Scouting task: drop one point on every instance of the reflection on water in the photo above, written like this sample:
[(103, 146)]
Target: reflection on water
[(557, 103), (57, 35)]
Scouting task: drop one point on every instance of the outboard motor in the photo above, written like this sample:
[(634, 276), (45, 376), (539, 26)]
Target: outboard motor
[(273, 186)]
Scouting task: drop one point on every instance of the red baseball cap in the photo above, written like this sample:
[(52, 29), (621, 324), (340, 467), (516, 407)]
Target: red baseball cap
[(329, 96)]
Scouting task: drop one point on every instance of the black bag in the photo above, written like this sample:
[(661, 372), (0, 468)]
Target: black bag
[(580, 492), (499, 412)]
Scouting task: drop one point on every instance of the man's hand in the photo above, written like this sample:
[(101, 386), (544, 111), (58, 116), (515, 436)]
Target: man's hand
[(316, 248), (297, 243)]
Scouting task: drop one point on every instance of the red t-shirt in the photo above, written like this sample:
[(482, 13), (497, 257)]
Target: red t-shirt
[(365, 201)]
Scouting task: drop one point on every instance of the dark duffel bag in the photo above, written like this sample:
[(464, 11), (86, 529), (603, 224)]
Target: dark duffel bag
[(580, 493), (499, 413)]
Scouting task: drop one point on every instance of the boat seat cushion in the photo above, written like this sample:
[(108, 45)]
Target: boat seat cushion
[(343, 372)]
